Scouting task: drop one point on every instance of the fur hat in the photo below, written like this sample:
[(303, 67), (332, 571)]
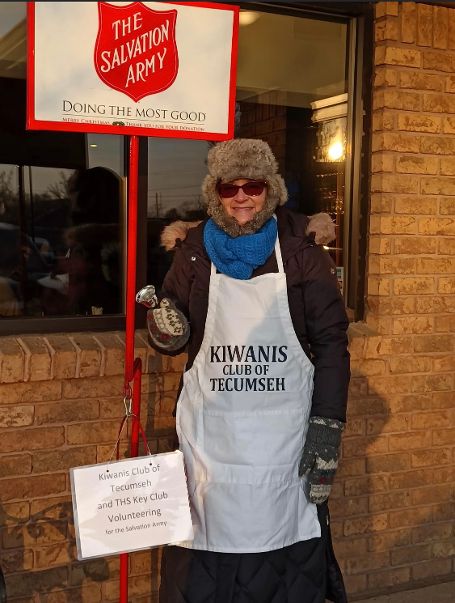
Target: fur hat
[(242, 158)]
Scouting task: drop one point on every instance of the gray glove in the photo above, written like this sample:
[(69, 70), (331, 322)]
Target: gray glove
[(168, 328), (319, 460)]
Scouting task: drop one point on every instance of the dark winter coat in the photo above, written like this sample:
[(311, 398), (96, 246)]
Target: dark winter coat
[(316, 306)]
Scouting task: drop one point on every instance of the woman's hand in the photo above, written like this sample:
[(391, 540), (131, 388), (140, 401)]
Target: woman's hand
[(168, 328), (319, 460)]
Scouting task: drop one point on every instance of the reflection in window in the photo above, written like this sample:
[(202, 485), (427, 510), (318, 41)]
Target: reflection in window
[(61, 204), (60, 241), (293, 94), (176, 170), (296, 100)]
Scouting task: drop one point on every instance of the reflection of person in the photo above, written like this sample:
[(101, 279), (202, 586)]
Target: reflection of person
[(263, 402), (94, 255)]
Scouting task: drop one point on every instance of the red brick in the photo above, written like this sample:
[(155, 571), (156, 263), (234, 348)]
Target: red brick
[(15, 513), (386, 29), (409, 441), (63, 355), (15, 464), (451, 32), (348, 507), (63, 459), (409, 517), (356, 583), (30, 392), (390, 500), (92, 433), (391, 424), (13, 560), (430, 457), (408, 22), (440, 27), (38, 359), (437, 145), (436, 567), (88, 593), (360, 446), (411, 554), (16, 416), (365, 485), (31, 439), (443, 437), (12, 360), (366, 563), (433, 343), (397, 55), (366, 525), (32, 487), (385, 463), (424, 25), (88, 355), (396, 99), (431, 532), (66, 411), (386, 541), (57, 554), (92, 388), (443, 400), (409, 403), (431, 494), (113, 353), (23, 584), (389, 578), (444, 549)]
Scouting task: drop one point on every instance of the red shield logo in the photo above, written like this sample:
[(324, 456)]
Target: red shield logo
[(136, 51)]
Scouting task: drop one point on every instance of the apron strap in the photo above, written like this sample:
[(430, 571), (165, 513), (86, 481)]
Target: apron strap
[(279, 258)]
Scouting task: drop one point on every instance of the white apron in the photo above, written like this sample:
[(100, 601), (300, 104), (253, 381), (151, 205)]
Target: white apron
[(242, 417)]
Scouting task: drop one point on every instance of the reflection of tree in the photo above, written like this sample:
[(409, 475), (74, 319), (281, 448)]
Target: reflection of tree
[(8, 199), (189, 210), (59, 189)]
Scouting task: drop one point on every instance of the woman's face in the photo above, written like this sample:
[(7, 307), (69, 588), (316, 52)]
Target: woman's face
[(243, 207)]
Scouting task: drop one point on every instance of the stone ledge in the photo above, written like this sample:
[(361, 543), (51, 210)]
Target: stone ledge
[(26, 358)]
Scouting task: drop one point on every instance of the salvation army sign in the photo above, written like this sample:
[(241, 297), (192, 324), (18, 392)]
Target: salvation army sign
[(136, 52), (143, 68)]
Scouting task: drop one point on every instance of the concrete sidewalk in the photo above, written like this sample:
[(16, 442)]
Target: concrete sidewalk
[(440, 593)]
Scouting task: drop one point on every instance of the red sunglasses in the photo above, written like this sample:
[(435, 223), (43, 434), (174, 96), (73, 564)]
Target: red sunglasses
[(253, 188)]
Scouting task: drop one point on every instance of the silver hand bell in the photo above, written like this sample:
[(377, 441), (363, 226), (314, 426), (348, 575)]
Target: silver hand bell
[(146, 296)]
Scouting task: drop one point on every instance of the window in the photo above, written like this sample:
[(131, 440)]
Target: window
[(62, 195), (62, 208), (295, 89)]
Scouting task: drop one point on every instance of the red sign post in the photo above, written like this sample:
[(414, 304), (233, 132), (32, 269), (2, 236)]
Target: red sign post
[(132, 80)]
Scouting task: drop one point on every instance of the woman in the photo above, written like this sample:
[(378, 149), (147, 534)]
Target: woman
[(263, 402)]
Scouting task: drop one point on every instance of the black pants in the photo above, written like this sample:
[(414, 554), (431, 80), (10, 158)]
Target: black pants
[(295, 574), (305, 572)]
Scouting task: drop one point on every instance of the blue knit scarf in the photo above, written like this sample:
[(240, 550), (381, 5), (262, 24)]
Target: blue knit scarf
[(239, 256)]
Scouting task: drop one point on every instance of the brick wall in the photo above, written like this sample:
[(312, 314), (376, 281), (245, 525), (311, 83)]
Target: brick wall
[(393, 510), (393, 503), (60, 406)]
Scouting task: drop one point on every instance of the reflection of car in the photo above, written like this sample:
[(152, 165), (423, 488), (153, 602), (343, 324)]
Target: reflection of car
[(18, 251), (22, 266)]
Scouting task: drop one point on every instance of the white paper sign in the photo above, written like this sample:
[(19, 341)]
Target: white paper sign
[(145, 68), (130, 505)]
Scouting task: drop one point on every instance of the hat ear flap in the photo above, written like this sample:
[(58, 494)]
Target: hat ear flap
[(277, 189), (209, 192)]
